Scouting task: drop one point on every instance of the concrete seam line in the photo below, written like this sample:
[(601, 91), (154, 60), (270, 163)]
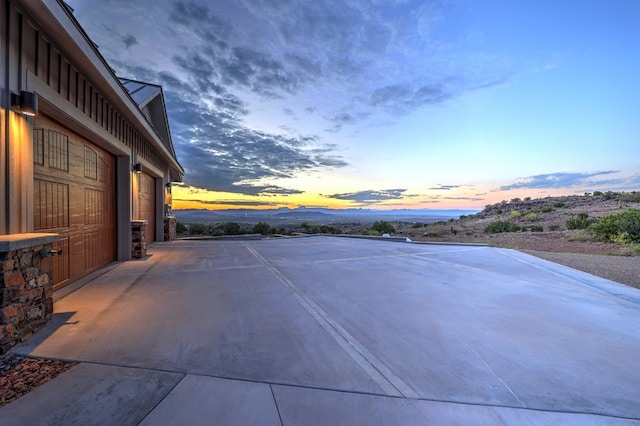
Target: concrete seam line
[(375, 368), (496, 376), (275, 402)]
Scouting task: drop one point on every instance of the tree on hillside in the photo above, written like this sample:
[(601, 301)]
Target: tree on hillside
[(383, 227)]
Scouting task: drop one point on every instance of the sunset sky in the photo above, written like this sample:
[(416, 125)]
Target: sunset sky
[(385, 103)]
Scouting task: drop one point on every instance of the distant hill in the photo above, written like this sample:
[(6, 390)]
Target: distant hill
[(534, 224), (316, 214)]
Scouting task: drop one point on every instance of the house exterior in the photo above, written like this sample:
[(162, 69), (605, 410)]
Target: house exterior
[(86, 162)]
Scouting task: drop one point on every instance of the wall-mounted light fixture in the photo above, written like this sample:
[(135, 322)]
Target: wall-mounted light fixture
[(26, 103), (137, 168), (168, 185)]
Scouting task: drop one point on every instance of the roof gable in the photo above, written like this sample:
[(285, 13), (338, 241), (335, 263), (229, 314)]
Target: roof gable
[(150, 100)]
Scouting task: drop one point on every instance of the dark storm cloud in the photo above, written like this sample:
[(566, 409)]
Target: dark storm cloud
[(370, 196), (557, 180)]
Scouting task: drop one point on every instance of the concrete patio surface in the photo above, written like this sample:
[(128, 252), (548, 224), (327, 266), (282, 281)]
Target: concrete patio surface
[(333, 331)]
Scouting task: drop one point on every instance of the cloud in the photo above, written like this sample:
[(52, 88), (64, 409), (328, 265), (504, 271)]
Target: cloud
[(556, 180), (231, 202), (224, 62), (370, 196), (129, 40), (444, 187)]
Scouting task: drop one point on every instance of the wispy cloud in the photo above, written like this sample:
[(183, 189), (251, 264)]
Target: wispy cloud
[(444, 187), (231, 202), (370, 196), (557, 180)]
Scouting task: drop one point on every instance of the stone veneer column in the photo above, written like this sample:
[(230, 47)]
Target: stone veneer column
[(170, 224), (138, 238), (26, 288)]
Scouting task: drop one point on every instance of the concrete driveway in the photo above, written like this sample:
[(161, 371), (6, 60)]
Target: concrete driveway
[(332, 331)]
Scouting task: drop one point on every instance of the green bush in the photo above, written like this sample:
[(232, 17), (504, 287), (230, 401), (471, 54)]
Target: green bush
[(320, 229), (531, 217), (581, 221), (263, 228), (546, 209), (500, 226), (198, 229), (630, 197), (515, 214), (383, 227), (536, 228), (231, 228), (181, 228), (558, 204), (623, 227)]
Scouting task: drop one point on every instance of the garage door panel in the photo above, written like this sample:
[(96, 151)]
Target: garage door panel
[(74, 183), (61, 270), (51, 204)]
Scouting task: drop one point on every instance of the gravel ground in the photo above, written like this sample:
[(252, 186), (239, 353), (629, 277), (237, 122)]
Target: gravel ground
[(622, 269), (20, 375)]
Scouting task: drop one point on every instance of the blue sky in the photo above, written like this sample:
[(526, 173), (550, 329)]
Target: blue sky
[(385, 104)]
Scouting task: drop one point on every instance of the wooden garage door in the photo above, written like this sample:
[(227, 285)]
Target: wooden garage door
[(147, 194), (74, 196)]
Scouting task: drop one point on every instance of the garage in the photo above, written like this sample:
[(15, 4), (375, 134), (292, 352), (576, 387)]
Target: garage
[(74, 197)]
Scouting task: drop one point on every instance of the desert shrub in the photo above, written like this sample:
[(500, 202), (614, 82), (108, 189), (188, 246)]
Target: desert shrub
[(181, 228), (531, 217), (515, 200), (536, 228), (622, 227), (582, 236), (383, 227), (500, 226), (263, 228), (417, 225), (324, 229), (630, 197), (554, 227), (527, 198), (433, 233), (515, 214), (581, 221), (198, 229), (546, 209), (597, 193), (231, 228)]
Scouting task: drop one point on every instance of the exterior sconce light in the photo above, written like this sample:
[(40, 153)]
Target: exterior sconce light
[(25, 103), (137, 168)]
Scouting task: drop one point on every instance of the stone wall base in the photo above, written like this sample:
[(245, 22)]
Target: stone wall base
[(170, 224), (26, 293), (138, 239)]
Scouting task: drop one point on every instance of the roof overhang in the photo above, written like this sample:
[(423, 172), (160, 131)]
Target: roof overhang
[(66, 33)]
